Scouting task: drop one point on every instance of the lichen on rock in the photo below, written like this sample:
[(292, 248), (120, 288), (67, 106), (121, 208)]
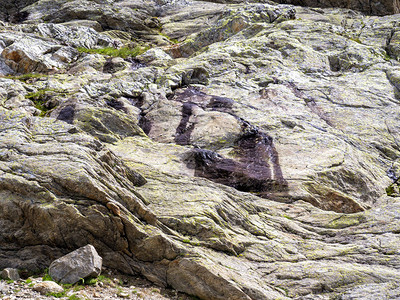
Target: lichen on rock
[(249, 150)]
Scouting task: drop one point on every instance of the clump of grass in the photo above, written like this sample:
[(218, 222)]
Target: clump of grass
[(57, 295), (121, 52), (39, 99), (47, 277)]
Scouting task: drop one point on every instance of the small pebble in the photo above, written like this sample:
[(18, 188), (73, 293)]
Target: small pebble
[(123, 295)]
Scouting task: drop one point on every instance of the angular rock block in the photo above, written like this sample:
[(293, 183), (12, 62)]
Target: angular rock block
[(10, 273), (81, 263)]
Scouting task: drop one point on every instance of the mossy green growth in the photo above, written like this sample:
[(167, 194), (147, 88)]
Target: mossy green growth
[(57, 295), (174, 41), (386, 57), (27, 76), (391, 190), (121, 52), (47, 277), (38, 99), (346, 221)]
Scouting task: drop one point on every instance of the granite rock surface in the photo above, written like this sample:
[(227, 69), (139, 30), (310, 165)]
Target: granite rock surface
[(252, 152)]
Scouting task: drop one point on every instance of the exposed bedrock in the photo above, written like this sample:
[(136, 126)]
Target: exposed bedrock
[(369, 7), (251, 153)]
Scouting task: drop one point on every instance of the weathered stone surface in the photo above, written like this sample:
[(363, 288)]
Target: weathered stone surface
[(10, 273), (81, 263), (47, 287), (31, 54), (253, 156), (373, 7)]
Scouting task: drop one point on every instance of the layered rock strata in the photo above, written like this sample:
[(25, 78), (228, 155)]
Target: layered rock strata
[(251, 153)]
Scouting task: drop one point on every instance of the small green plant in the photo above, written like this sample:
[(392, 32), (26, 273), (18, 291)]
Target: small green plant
[(91, 281), (390, 191), (40, 97), (355, 39), (386, 57), (9, 281), (74, 297), (122, 52), (46, 276), (57, 295)]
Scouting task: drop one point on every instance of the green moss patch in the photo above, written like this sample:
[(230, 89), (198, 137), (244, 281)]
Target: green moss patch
[(122, 52)]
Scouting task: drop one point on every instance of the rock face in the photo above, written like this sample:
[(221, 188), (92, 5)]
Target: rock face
[(251, 153), (81, 263), (374, 7)]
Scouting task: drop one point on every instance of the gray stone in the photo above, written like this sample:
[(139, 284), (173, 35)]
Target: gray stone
[(261, 162), (10, 273), (373, 7), (81, 263), (47, 287)]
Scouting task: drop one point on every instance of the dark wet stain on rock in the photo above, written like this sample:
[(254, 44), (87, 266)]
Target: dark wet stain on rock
[(19, 17), (135, 64), (221, 104), (118, 105), (144, 122), (67, 114), (136, 101), (256, 168), (184, 129), (247, 174), (310, 102)]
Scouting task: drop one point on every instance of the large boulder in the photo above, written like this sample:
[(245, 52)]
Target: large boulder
[(79, 264)]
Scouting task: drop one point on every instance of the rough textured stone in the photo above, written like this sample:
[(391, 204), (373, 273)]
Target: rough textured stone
[(47, 287), (81, 263), (10, 273), (253, 154), (373, 7)]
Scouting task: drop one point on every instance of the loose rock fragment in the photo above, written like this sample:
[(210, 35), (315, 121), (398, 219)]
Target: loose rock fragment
[(81, 263), (9, 273), (47, 287)]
